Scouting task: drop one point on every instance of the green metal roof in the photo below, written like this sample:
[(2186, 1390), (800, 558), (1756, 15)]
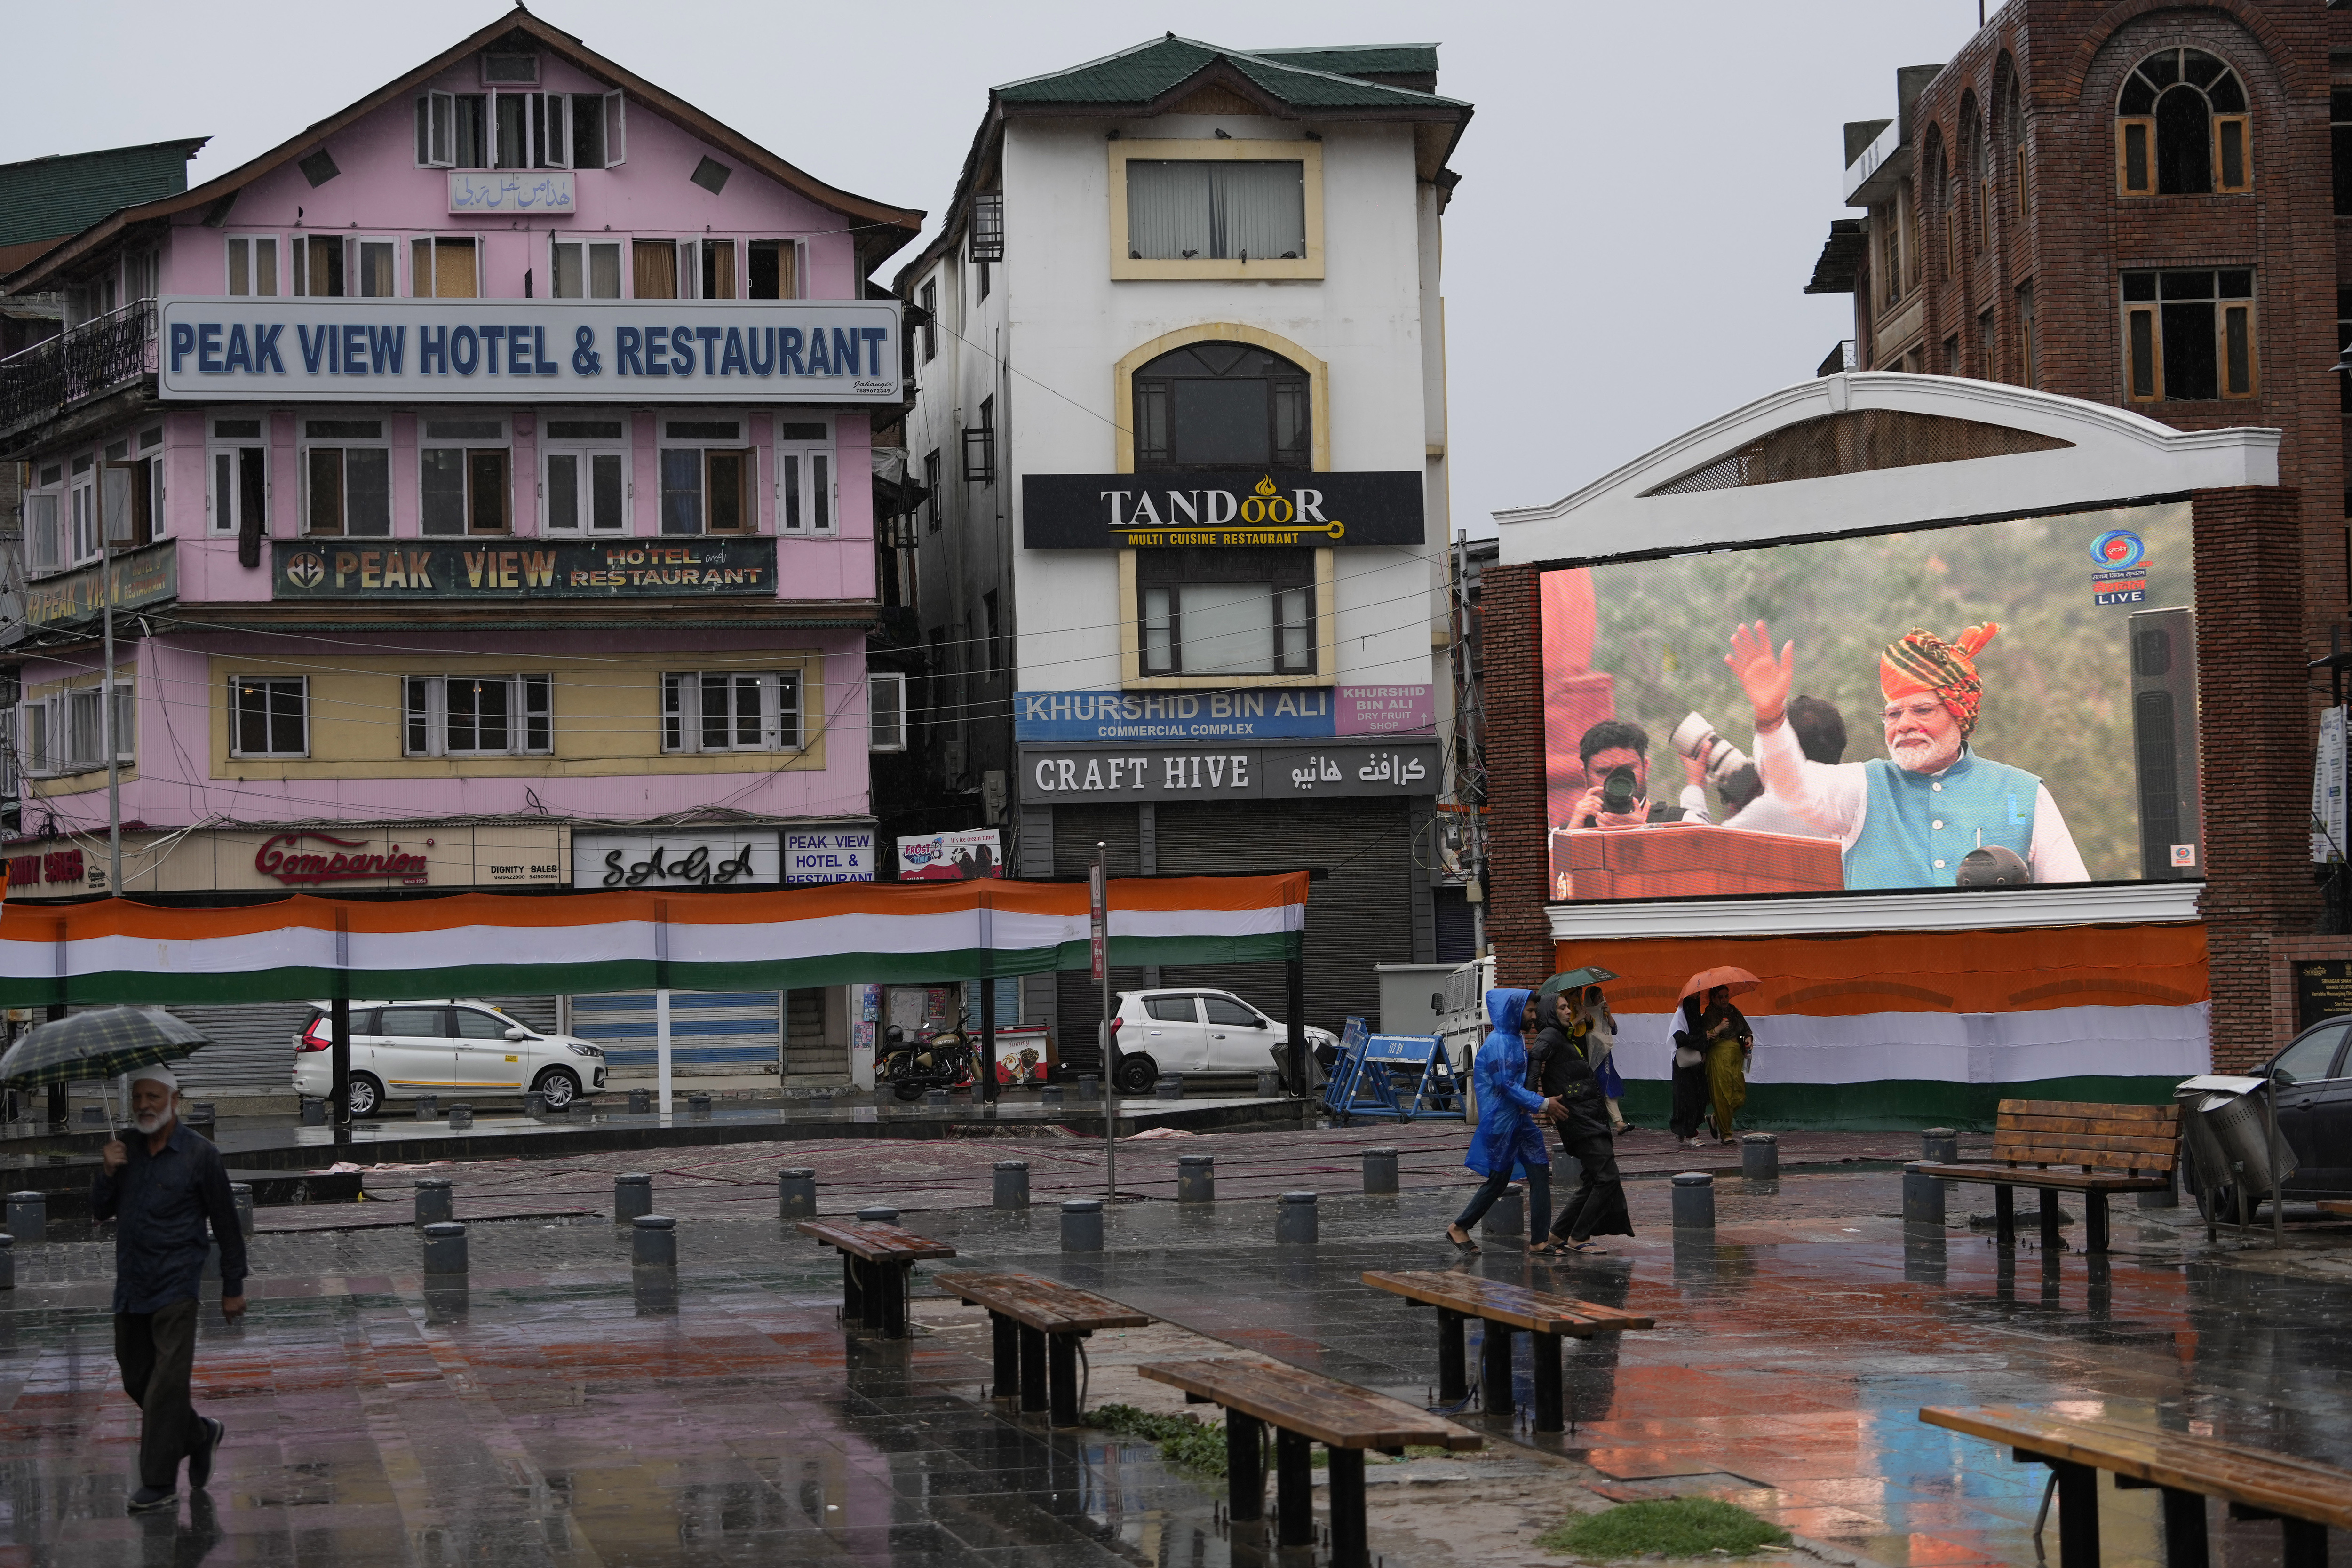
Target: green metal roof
[(49, 198), (1361, 59), (1143, 73)]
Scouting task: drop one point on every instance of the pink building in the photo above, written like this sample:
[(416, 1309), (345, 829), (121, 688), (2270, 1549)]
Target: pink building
[(483, 483)]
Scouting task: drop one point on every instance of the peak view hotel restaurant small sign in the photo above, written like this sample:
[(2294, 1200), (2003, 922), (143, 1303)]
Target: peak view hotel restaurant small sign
[(1245, 508)]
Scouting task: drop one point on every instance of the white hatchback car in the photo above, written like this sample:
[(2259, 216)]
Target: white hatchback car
[(402, 1049), (1187, 1029)]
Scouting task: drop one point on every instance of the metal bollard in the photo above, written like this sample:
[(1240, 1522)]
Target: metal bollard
[(633, 1194), (1923, 1199), (821, 1101), (7, 1262), (428, 1108), (1380, 1170), (460, 1117), (641, 1101), (445, 1249), (314, 1111), (1694, 1201), (697, 1104), (434, 1200), (1940, 1144), (877, 1213), (28, 1216), (1507, 1220), (1196, 1178), (653, 1243), (241, 1195), (1050, 1095), (796, 1193), (1760, 1157), (1294, 1219), (883, 1094), (1082, 1224), (1089, 1086), (1269, 1085), (1012, 1183), (534, 1102), (935, 1099), (1170, 1087), (562, 1109)]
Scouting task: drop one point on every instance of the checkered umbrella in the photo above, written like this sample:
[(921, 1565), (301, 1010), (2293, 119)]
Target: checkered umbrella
[(98, 1045)]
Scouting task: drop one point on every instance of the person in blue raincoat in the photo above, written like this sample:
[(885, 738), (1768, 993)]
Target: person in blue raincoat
[(1508, 1134)]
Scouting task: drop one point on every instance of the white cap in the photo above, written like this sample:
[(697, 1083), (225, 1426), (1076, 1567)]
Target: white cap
[(161, 1074)]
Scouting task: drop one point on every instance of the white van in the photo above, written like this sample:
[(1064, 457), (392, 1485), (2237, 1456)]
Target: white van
[(1461, 1024), (402, 1049)]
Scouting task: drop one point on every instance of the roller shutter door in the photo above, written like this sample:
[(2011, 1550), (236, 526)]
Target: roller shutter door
[(724, 1031), (1077, 998), (1359, 915), (532, 1012), (253, 1047)]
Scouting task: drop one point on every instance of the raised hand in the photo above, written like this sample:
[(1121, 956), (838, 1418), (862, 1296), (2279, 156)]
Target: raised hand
[(1767, 680)]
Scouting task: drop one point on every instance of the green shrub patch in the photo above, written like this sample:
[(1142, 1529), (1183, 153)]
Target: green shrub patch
[(1676, 1527), (1184, 1440)]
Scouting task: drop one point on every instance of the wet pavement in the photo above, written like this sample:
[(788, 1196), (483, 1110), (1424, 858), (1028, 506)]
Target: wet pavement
[(560, 1410)]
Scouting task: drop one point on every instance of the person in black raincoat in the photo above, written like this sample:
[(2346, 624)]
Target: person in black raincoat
[(1690, 1101), (1568, 1077)]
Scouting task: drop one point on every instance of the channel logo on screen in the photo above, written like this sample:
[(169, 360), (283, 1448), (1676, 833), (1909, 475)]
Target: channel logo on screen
[(2117, 549)]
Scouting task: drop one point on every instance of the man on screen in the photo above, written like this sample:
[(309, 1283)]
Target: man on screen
[(1907, 820), (1608, 746)]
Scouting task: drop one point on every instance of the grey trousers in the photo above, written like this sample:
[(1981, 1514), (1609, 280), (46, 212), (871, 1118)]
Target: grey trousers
[(157, 1353)]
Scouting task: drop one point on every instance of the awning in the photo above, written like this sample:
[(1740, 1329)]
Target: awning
[(303, 948), (1841, 256)]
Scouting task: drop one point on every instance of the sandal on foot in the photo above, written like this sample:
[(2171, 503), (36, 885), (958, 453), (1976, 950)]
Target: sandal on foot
[(1469, 1248), (1579, 1247), (1546, 1245)]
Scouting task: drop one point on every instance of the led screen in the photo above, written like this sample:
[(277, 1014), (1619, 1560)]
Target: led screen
[(1985, 705)]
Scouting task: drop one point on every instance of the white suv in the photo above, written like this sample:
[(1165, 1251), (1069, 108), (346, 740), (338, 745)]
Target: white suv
[(402, 1049), (1187, 1029)]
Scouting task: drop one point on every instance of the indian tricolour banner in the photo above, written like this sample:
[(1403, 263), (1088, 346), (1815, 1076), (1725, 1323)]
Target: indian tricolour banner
[(1924, 1028), (303, 948)]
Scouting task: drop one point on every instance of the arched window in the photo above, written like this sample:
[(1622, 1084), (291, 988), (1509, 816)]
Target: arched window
[(1936, 192), (2013, 133), (1222, 406), (2181, 128)]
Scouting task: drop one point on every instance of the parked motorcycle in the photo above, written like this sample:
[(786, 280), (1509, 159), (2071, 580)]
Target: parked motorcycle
[(943, 1060)]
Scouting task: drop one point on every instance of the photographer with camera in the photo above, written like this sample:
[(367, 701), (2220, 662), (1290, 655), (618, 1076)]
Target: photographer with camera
[(1709, 759), (1616, 753)]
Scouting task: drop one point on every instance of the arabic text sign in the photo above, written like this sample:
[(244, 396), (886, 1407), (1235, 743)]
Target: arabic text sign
[(512, 191), (506, 351), (1098, 774), (386, 569), (1242, 507)]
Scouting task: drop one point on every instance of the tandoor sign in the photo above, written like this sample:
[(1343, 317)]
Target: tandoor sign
[(539, 569), (145, 576), (1245, 507)]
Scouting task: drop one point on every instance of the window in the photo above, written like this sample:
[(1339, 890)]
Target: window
[(994, 644), (587, 473), (2339, 131), (477, 715), (988, 228), (2018, 162), (1215, 210), (442, 266), (804, 476), (551, 130), (2343, 341), (707, 476), (238, 498), (980, 447), (134, 491), (731, 711), (1170, 1009), (1222, 406), (586, 270), (885, 706), (718, 269), (319, 266), (1226, 1012), (1988, 360), (253, 264), (776, 269), (2026, 364), (596, 130), (1889, 261), (654, 263), (44, 549), (1227, 613), (2188, 337), (65, 732), (465, 485), (269, 717), (2181, 128), (83, 499), (346, 479), (927, 301), (1952, 366)]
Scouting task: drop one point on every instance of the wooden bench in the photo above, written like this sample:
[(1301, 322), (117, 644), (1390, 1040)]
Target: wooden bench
[(1305, 1408), (876, 1261), (2305, 1497), (1502, 1307), (2117, 1148), (1038, 1324)]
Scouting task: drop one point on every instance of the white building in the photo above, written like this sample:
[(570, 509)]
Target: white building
[(1180, 572)]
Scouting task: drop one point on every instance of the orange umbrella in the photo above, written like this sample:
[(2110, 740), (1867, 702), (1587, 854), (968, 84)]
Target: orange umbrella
[(1739, 981)]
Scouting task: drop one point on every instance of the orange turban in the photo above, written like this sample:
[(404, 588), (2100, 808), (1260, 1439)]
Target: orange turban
[(1922, 661)]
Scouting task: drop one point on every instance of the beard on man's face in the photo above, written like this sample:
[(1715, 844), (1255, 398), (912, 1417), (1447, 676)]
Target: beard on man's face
[(149, 1120)]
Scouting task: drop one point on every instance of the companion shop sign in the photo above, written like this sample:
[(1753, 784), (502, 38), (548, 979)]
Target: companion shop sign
[(391, 569), (312, 350), (1245, 507)]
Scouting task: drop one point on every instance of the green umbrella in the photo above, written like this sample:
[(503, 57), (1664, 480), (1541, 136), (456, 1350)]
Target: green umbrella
[(1568, 980), (99, 1045)]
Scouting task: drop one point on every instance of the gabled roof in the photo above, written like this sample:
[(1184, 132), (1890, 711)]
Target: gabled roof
[(45, 200), (882, 228), (1398, 65), (1144, 74)]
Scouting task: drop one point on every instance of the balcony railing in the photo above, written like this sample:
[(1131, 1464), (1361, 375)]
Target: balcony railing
[(79, 363)]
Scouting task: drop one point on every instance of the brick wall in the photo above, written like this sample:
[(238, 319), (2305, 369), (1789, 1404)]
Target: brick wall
[(2254, 751), (1512, 633)]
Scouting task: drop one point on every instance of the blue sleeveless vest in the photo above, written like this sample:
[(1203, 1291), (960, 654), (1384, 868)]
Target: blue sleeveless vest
[(1918, 825)]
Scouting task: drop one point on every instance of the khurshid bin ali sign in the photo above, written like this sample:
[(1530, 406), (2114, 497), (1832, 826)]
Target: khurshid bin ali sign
[(1245, 508)]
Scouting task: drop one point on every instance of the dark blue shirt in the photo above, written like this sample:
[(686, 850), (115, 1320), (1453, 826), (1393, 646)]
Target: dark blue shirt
[(160, 1204)]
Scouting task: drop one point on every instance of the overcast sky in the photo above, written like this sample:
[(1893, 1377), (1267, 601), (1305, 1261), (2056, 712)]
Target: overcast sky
[(1644, 188)]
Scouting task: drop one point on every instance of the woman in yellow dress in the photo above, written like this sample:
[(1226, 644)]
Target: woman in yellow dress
[(1727, 1045)]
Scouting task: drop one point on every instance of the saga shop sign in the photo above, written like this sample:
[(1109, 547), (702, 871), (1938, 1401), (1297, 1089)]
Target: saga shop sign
[(544, 569), (683, 859)]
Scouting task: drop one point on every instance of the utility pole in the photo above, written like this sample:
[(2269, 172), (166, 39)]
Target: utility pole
[(1099, 890), (106, 706)]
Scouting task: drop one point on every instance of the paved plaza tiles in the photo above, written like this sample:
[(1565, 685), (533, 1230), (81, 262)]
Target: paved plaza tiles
[(556, 1411)]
